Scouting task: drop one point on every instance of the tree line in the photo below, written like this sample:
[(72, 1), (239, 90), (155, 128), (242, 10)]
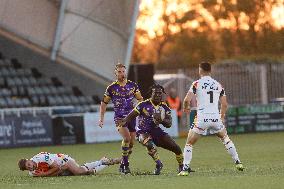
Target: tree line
[(212, 30)]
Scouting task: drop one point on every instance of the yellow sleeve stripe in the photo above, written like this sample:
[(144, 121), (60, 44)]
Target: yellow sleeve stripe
[(136, 110), (165, 104), (106, 99), (110, 85), (140, 103), (105, 95)]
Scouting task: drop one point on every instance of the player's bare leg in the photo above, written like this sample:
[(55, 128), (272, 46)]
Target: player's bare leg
[(124, 132), (76, 169), (230, 147), (110, 161), (146, 140), (192, 138), (131, 144), (89, 168), (168, 143)]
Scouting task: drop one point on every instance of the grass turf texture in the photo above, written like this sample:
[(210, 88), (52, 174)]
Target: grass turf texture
[(262, 155)]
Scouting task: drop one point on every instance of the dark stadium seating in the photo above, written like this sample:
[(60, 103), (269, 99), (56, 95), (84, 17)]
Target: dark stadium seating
[(22, 87)]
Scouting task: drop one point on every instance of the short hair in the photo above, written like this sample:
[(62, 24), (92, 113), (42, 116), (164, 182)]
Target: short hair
[(119, 65), (22, 164), (205, 66), (157, 86)]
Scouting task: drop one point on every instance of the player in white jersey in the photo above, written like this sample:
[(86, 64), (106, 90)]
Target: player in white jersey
[(48, 164), (208, 93)]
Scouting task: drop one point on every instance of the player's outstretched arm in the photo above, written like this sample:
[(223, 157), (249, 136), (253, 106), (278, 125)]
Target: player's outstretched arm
[(186, 102), (102, 113), (132, 115), (103, 110), (224, 107), (53, 171)]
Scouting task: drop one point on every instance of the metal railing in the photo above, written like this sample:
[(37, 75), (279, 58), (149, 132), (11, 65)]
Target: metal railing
[(244, 83), (50, 110)]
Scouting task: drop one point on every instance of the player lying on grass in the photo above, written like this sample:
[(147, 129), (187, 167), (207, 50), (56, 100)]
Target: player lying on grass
[(153, 112), (47, 164)]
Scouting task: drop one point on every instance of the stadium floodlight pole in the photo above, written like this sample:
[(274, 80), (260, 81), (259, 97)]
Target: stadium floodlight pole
[(132, 34), (59, 28)]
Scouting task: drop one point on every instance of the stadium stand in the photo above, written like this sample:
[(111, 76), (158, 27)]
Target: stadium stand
[(23, 87)]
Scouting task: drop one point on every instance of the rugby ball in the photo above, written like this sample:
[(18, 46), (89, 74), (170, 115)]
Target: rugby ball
[(162, 112), (42, 167)]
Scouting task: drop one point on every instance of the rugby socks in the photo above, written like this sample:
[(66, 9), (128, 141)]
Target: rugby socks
[(154, 154), (92, 165), (159, 163), (129, 153), (125, 152), (87, 170), (187, 155), (230, 147), (179, 159), (99, 168), (130, 150)]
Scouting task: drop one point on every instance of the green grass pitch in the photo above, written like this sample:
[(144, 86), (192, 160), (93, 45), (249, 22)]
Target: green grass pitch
[(262, 154)]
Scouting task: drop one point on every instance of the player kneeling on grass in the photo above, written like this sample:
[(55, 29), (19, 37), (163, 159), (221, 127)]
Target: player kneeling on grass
[(47, 164), (153, 112)]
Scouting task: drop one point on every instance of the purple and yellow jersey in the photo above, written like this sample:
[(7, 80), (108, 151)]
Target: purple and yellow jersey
[(146, 109), (122, 97)]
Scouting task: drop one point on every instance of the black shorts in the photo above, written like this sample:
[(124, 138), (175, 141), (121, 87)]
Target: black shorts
[(155, 134), (131, 125)]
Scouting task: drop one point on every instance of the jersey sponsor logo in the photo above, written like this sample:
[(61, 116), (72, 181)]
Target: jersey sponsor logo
[(211, 86), (124, 92), (211, 120)]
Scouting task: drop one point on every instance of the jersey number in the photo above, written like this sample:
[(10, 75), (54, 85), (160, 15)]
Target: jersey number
[(46, 158), (211, 96)]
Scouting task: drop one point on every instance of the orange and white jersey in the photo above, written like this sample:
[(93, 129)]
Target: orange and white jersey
[(207, 91), (44, 160)]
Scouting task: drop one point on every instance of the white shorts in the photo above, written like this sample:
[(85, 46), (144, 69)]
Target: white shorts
[(208, 124), (63, 159)]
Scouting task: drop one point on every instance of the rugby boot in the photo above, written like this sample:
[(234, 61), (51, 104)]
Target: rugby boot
[(239, 166), (158, 169)]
